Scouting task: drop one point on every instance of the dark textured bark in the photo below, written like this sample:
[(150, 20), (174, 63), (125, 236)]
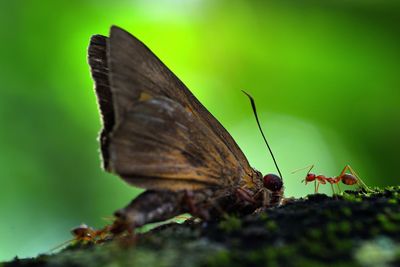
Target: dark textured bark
[(355, 229)]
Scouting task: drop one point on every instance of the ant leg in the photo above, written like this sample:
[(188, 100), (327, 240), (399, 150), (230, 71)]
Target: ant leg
[(333, 189), (316, 189), (315, 186), (103, 234), (68, 242), (359, 180), (340, 190)]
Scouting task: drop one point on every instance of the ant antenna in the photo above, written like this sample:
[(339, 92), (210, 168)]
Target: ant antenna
[(253, 105), (308, 167)]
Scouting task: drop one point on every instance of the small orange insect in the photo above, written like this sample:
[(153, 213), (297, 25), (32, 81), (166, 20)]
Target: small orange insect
[(347, 178), (85, 234)]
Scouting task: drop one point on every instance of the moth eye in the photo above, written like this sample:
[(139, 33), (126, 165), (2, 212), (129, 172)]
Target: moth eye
[(273, 182)]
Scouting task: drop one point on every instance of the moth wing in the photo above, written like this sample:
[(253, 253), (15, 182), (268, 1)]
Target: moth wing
[(162, 145), (131, 75), (100, 74)]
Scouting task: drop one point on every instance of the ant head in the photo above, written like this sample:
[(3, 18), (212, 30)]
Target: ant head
[(310, 177), (273, 182), (82, 231)]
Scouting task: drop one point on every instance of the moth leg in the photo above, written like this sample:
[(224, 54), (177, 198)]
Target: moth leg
[(189, 200), (266, 198), (150, 206), (244, 195)]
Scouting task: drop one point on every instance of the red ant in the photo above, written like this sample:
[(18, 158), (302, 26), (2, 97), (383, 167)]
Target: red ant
[(85, 234), (347, 178)]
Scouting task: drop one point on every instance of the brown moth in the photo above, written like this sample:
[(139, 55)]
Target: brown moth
[(156, 135)]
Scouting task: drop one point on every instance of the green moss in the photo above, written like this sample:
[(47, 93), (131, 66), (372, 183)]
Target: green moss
[(344, 227), (394, 216), (331, 228), (230, 224), (341, 231), (316, 249), (346, 211), (315, 233), (358, 226), (222, 258), (352, 198), (374, 231), (263, 216), (271, 226), (386, 223), (377, 252)]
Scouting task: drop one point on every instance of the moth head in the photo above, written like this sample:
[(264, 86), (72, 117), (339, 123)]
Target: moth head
[(273, 182)]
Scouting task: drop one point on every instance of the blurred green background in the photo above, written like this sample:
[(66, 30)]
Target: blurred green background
[(325, 75)]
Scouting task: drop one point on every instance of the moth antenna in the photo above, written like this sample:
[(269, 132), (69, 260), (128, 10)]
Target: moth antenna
[(253, 105)]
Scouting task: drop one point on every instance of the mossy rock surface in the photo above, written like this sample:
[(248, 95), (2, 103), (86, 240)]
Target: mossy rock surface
[(354, 229)]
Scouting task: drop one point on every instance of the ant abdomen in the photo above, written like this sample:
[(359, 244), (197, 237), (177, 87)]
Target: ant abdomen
[(349, 179)]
